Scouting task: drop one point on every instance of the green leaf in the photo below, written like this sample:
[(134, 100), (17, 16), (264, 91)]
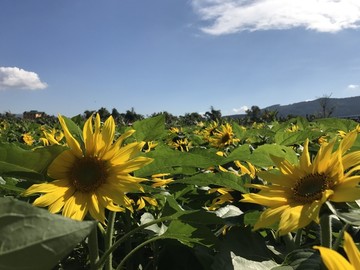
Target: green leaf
[(243, 248), (150, 129), (261, 155), (298, 137), (335, 124), (75, 130), (27, 164), (188, 234), (351, 216), (303, 259), (33, 238), (222, 179), (169, 160)]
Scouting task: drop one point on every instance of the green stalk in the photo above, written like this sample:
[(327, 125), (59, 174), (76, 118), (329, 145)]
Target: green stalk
[(93, 248), (340, 236), (108, 239), (325, 231), (298, 238), (117, 243), (289, 242), (121, 264)]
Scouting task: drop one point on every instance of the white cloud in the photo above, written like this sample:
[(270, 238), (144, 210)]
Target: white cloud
[(353, 86), (242, 109), (231, 16), (17, 78)]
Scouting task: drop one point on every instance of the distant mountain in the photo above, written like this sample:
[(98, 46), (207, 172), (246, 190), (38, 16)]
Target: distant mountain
[(342, 107)]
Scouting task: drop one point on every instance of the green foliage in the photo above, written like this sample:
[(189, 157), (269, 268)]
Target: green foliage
[(32, 238), (27, 164), (179, 230)]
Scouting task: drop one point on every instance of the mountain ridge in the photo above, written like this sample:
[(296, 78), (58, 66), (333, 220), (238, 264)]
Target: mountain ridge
[(342, 107)]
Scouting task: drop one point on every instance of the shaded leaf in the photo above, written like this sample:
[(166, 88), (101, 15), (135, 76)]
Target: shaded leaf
[(40, 239), (27, 164)]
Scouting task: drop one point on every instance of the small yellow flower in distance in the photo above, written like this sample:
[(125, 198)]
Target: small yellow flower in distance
[(161, 180), (175, 130), (223, 136), (250, 169), (94, 176), (181, 144), (225, 197), (52, 138), (28, 139), (141, 202), (295, 195), (335, 261), (293, 128), (322, 140), (149, 146)]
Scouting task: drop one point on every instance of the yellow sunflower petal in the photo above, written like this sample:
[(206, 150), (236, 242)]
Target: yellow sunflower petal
[(133, 164), (76, 207), (264, 200), (333, 260), (88, 137), (60, 167), (269, 217), (108, 131), (351, 251), (70, 140), (96, 210)]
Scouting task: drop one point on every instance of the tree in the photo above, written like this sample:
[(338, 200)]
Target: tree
[(254, 113), (88, 113), (104, 113), (325, 104), (214, 115), (190, 119), (131, 116)]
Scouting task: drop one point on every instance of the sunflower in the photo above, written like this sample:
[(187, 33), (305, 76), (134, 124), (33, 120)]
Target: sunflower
[(27, 139), (92, 175), (295, 195), (334, 261), (223, 136)]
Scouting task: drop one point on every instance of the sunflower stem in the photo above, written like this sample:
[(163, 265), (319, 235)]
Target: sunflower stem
[(297, 240), (93, 248), (325, 231), (340, 236), (121, 264), (109, 234), (117, 243), (289, 242)]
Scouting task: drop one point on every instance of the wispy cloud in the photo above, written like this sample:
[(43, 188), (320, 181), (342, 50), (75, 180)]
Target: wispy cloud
[(17, 78), (231, 16), (353, 86), (242, 109)]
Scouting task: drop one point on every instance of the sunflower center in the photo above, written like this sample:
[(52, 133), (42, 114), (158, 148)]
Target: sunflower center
[(310, 188), (225, 138), (88, 173)]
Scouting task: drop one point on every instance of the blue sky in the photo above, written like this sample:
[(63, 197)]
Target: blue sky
[(179, 56)]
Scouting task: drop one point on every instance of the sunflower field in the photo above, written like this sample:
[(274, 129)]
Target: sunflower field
[(95, 194)]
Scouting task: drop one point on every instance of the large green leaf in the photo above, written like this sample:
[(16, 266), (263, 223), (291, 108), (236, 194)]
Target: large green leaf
[(169, 160), (261, 155), (298, 137), (150, 129), (302, 259), (27, 164), (243, 249), (189, 226), (32, 238), (335, 124), (222, 179)]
